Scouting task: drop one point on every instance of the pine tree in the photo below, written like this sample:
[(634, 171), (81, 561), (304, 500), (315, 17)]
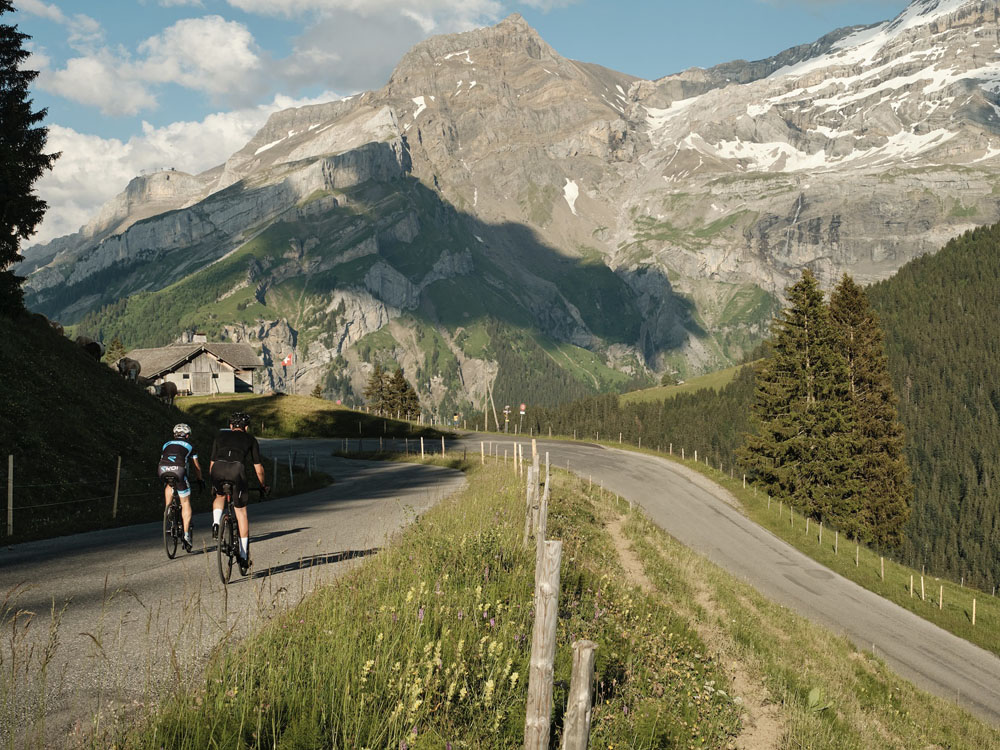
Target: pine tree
[(881, 476), (375, 391), (800, 449), (396, 393), (21, 161), (317, 391)]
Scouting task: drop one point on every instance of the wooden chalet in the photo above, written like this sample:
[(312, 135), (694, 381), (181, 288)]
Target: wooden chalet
[(200, 367)]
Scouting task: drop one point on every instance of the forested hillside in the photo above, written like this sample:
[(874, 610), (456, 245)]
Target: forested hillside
[(939, 314), (709, 421)]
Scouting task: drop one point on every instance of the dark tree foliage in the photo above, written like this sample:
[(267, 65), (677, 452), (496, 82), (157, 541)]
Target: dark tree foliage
[(376, 393), (943, 343), (880, 477), (392, 395), (711, 422), (21, 161), (802, 445)]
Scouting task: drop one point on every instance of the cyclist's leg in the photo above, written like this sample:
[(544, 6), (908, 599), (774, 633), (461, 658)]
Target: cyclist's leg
[(241, 494), (184, 493)]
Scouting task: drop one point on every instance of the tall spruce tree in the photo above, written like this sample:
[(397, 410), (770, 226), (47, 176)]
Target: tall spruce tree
[(800, 450), (376, 390), (881, 477), (21, 161)]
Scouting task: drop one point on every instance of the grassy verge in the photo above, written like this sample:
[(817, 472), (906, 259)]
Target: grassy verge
[(284, 416), (804, 686), (428, 644)]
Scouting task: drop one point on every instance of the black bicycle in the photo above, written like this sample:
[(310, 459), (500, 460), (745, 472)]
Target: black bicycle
[(228, 548), (173, 522)]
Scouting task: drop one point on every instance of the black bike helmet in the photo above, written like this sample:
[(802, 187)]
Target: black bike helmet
[(239, 419)]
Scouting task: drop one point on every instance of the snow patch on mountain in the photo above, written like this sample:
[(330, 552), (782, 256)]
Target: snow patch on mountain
[(571, 191)]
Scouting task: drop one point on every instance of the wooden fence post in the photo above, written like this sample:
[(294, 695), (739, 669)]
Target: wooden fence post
[(118, 476), (807, 525), (576, 724), (543, 650), (881, 565), (10, 494), (671, 449), (911, 585), (528, 515), (973, 611), (421, 448), (857, 553), (836, 542), (941, 597), (442, 445), (922, 597), (682, 454), (482, 453), (696, 455), (820, 532)]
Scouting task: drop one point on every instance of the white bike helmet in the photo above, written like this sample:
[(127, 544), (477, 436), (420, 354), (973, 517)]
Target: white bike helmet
[(182, 431)]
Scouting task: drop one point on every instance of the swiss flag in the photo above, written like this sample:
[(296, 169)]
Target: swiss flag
[(287, 361)]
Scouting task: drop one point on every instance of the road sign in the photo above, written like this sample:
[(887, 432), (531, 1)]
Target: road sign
[(522, 408)]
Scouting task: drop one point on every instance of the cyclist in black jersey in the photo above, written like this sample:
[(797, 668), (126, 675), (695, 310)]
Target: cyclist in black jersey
[(173, 462), (230, 451)]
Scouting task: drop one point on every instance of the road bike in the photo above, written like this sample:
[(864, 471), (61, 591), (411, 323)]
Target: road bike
[(173, 523), (227, 550)]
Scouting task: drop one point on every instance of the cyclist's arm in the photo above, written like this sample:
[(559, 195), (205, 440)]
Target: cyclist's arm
[(259, 468), (197, 466), (258, 463)]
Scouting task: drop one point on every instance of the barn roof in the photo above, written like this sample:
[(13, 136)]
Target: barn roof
[(155, 362)]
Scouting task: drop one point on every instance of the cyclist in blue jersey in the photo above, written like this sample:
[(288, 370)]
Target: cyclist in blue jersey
[(173, 462)]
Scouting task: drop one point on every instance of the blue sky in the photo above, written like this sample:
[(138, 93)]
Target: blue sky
[(138, 84)]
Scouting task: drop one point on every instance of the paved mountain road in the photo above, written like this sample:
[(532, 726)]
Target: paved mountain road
[(704, 517), (131, 613)]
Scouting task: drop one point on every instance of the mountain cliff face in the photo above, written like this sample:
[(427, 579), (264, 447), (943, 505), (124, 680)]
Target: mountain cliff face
[(496, 196)]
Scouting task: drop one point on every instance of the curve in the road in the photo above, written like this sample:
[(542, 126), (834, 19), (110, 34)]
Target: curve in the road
[(705, 518)]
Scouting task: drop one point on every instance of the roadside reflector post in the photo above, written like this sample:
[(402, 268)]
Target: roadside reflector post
[(421, 448)]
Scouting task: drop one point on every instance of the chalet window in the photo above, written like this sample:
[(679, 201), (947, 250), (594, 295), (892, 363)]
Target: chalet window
[(186, 376), (215, 374)]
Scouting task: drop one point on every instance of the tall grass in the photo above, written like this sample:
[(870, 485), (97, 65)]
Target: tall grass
[(428, 644)]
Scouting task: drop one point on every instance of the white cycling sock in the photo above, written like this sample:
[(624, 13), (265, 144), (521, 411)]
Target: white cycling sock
[(245, 545), (216, 516)]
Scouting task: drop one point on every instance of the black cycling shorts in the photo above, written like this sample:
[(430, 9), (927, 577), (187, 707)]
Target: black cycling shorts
[(173, 470), (230, 471)]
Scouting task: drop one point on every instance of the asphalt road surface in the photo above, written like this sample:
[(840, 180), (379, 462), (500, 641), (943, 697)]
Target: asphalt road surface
[(705, 518), (130, 620)]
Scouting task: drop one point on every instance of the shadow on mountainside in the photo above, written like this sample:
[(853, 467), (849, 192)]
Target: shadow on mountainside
[(401, 241)]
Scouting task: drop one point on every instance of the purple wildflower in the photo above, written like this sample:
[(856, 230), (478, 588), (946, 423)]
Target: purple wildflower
[(493, 622), (420, 614), (394, 617), (460, 615)]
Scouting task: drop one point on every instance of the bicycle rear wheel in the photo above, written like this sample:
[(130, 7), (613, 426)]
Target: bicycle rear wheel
[(170, 521), (226, 548)]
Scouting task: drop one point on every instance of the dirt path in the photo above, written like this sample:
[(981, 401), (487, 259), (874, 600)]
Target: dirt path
[(763, 725)]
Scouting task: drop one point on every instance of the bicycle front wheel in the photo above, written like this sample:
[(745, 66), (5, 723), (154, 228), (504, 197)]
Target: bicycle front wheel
[(226, 548), (170, 521)]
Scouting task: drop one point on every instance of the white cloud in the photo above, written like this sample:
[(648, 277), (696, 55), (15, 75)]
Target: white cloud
[(207, 54), (92, 170), (466, 9), (100, 81), (174, 3), (44, 10)]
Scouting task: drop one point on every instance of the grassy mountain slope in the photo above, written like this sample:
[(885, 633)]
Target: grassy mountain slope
[(66, 419)]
